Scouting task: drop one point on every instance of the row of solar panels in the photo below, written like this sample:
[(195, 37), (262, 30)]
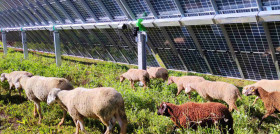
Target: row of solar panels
[(45, 12), (248, 40)]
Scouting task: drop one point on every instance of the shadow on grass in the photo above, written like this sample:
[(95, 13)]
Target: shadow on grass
[(14, 99)]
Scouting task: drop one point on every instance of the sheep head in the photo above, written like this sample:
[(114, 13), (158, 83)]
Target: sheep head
[(251, 91), (52, 96), (122, 78), (3, 77), (162, 109), (170, 80), (245, 88)]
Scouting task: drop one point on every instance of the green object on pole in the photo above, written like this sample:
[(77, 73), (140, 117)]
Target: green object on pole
[(139, 23)]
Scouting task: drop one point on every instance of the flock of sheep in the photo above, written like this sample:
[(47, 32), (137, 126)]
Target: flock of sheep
[(107, 104)]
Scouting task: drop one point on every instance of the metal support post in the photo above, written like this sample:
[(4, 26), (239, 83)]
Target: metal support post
[(141, 43), (4, 41), (24, 44), (57, 47)]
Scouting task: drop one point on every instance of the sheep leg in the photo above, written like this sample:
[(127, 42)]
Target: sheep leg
[(106, 123), (77, 126), (145, 84), (255, 100), (132, 84), (39, 111), (265, 116), (35, 111), (122, 120), (63, 118), (81, 124), (232, 106), (275, 116), (179, 88)]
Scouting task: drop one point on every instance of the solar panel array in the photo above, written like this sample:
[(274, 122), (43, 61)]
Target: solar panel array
[(231, 49)]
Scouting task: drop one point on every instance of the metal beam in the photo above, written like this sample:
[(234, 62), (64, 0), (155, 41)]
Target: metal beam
[(259, 3), (76, 11), (85, 5), (45, 12), (271, 48), (53, 11), (172, 46), (113, 43), (125, 9), (191, 32), (102, 44), (4, 42), (151, 8), (105, 10), (141, 45), (56, 41), (231, 50), (215, 7), (24, 44), (179, 8)]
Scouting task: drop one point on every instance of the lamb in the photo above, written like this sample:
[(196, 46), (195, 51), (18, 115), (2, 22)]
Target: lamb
[(134, 75), (271, 100), (37, 89), (158, 72), (268, 85), (104, 103), (10, 77), (191, 115), (216, 90), (181, 82)]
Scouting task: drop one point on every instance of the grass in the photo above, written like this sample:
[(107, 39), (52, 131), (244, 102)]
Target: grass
[(16, 112)]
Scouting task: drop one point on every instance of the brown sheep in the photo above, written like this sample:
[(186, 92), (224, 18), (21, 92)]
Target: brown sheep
[(216, 90), (11, 78), (158, 72), (134, 75), (191, 115), (271, 100), (181, 82), (267, 85)]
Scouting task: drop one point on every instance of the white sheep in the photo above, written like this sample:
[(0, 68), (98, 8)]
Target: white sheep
[(37, 89), (267, 85), (181, 82), (11, 78), (104, 103), (158, 72), (134, 75), (216, 90)]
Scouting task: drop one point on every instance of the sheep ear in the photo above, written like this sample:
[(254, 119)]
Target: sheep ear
[(164, 107), (18, 78)]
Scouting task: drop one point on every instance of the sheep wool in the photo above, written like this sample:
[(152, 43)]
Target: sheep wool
[(192, 115), (181, 82), (37, 89), (216, 90), (271, 100), (158, 72), (134, 75), (104, 103), (11, 78)]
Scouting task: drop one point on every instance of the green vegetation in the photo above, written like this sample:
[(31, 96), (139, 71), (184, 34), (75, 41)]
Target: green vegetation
[(16, 114)]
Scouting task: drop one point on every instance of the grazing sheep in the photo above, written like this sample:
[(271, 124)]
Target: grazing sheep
[(191, 115), (104, 103), (271, 100), (268, 85), (181, 82), (37, 89), (158, 72), (134, 75), (11, 77), (216, 90)]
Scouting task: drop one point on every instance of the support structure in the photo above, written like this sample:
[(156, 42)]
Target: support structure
[(142, 56), (24, 44), (4, 41), (172, 46), (232, 50), (271, 48), (57, 47), (190, 30)]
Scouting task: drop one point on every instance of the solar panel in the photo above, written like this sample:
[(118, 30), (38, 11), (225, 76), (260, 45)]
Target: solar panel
[(49, 12), (138, 7), (165, 8), (69, 11), (210, 37), (194, 61), (197, 7), (97, 10), (13, 39), (274, 29), (85, 14), (171, 61), (236, 6), (114, 9), (249, 37), (271, 4)]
